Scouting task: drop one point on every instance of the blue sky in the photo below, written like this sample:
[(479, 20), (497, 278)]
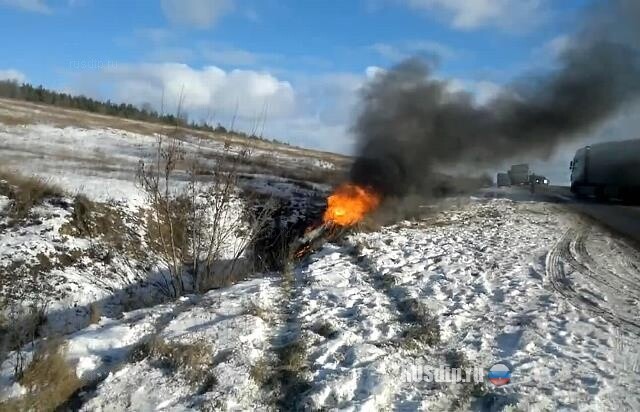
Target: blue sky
[(303, 61)]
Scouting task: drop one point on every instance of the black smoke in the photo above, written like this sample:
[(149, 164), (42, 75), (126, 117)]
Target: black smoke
[(412, 126)]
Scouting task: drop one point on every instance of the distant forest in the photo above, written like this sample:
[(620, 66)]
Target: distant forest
[(27, 92)]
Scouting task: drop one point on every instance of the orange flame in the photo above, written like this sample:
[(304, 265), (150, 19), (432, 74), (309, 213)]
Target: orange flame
[(349, 204)]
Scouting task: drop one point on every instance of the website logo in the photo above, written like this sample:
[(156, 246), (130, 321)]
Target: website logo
[(499, 374)]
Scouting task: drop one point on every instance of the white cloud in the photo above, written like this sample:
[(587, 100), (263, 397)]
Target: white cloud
[(200, 14), (472, 14), (12, 74), (330, 97), (154, 34), (38, 6), (398, 52), (209, 88), (170, 54), (558, 45), (231, 56), (310, 110), (373, 71), (484, 91), (481, 91)]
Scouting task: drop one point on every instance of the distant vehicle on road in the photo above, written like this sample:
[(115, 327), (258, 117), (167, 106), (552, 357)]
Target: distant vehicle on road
[(538, 180), (503, 180), (519, 174), (607, 170)]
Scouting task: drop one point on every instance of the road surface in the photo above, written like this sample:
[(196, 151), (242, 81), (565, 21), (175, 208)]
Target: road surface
[(621, 218)]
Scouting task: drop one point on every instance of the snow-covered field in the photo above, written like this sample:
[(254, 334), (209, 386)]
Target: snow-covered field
[(102, 163), (70, 272), (473, 282)]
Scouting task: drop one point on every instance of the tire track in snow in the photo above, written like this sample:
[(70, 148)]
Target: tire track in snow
[(630, 259), (556, 258), (578, 257)]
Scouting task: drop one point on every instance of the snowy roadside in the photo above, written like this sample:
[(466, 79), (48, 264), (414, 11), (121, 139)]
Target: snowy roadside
[(485, 280), (482, 272)]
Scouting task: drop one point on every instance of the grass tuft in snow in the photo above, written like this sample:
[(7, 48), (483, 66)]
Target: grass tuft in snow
[(25, 192), (425, 327), (20, 325), (255, 309), (466, 390), (290, 373), (262, 372), (82, 215), (104, 221), (292, 356), (192, 360), (325, 329), (49, 379)]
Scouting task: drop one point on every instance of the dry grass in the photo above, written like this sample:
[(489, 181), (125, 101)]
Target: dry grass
[(293, 356), (254, 309), (425, 327), (49, 379), (105, 222), (15, 120), (95, 313), (192, 360), (63, 117), (25, 192), (82, 214), (159, 227), (290, 373), (262, 372)]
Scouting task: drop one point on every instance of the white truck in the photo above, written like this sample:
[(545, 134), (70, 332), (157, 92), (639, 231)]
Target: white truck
[(607, 170)]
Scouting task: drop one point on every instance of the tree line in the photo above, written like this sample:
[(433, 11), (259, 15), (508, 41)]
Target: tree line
[(11, 89)]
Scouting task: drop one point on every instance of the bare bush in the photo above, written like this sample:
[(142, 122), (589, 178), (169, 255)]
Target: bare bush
[(231, 220), (49, 379), (193, 360), (424, 328), (25, 192), (95, 313), (204, 228), (20, 326), (157, 180)]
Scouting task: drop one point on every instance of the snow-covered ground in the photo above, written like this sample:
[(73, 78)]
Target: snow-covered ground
[(102, 163), (486, 280), (488, 272), (67, 272), (472, 282), (230, 327)]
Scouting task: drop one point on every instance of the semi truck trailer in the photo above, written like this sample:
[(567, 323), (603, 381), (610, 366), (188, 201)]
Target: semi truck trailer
[(519, 174), (607, 170)]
